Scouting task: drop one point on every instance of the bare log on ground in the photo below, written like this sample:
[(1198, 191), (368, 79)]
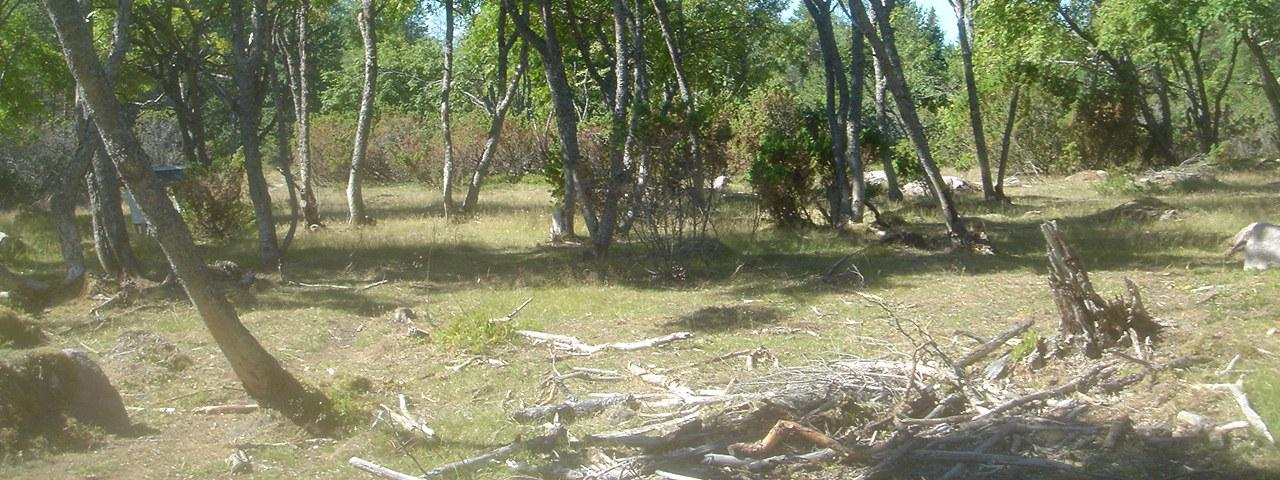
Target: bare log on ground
[(577, 347), (1237, 393), (1086, 318), (408, 421), (1130, 379), (225, 409), (990, 346), (1079, 384), (784, 431), (379, 470), (569, 411)]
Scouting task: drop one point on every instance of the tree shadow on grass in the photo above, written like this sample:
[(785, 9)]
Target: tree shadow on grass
[(724, 318)]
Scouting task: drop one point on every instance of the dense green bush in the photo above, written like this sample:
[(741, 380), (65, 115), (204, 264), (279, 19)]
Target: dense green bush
[(211, 201)]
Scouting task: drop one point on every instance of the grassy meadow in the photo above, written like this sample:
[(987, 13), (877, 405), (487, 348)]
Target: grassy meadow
[(763, 289)]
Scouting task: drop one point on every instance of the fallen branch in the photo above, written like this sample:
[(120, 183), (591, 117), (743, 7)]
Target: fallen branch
[(512, 316), (379, 470), (372, 285), (988, 458), (784, 431), (1079, 384), (1130, 379), (225, 409), (568, 411), (578, 347), (990, 346), (1237, 392), (407, 420)]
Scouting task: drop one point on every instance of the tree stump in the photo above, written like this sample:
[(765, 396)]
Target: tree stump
[(1086, 318)]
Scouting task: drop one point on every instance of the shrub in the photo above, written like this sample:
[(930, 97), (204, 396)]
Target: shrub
[(785, 141), (211, 202)]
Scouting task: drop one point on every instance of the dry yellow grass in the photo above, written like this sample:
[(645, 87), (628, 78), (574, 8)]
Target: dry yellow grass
[(460, 275)]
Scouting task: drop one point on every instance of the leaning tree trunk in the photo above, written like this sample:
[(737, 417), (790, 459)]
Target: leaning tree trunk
[(1269, 84), (691, 123), (446, 91), (355, 196), (113, 240), (1086, 318), (284, 155), (1009, 117), (883, 45), (498, 113), (247, 53), (975, 109), (566, 115), (62, 203), (301, 94), (602, 237), (263, 377), (892, 190)]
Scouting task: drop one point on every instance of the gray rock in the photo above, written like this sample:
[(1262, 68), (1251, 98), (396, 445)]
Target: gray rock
[(1260, 243), (93, 400)]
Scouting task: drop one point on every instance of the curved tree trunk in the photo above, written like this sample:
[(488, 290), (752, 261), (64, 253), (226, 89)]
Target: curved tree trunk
[(1269, 84), (498, 114), (62, 202), (263, 377), (566, 115), (284, 154), (602, 237), (111, 240), (892, 190), (691, 121), (446, 91), (355, 196), (247, 54), (975, 109), (883, 44)]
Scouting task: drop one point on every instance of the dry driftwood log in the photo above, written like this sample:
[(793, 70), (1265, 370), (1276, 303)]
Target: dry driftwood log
[(225, 409), (990, 346), (570, 410), (1237, 393), (1086, 318), (575, 346)]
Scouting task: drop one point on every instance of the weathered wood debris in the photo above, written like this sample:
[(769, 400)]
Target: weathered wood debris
[(908, 414)]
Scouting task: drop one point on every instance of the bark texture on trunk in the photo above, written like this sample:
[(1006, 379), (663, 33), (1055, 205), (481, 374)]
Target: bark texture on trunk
[(962, 9), (853, 125), (1006, 139), (498, 112), (301, 94), (883, 45), (892, 190), (691, 121), (355, 194), (446, 91), (263, 377), (110, 219), (602, 237), (837, 90), (566, 115), (62, 202), (247, 50), (284, 154), (1269, 84)]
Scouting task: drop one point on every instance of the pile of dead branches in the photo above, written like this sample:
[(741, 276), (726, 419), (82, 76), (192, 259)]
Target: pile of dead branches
[(931, 412)]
